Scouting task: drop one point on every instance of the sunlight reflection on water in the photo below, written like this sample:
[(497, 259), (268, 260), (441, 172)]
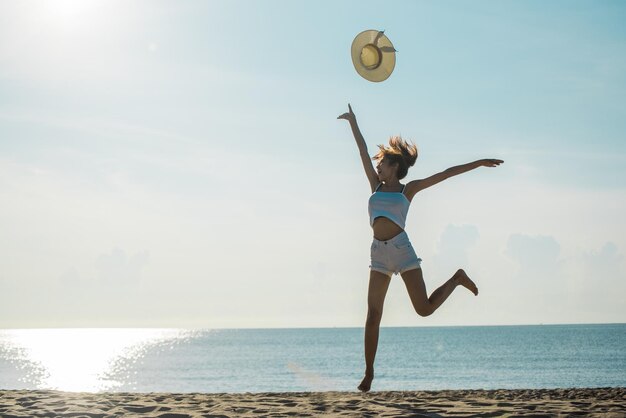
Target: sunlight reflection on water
[(287, 360), (81, 360)]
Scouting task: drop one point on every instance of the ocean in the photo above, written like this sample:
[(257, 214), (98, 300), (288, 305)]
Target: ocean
[(280, 360)]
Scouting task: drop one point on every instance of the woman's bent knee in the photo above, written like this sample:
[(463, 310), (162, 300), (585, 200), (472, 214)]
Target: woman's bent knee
[(424, 310)]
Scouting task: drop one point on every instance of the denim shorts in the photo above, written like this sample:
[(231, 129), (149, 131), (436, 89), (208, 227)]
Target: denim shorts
[(395, 255)]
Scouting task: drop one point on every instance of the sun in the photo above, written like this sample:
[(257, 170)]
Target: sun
[(68, 9), (70, 12)]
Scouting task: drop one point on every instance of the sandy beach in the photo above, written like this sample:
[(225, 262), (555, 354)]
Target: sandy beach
[(605, 402)]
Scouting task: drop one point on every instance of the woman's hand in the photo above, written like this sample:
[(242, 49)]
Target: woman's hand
[(490, 162), (349, 116)]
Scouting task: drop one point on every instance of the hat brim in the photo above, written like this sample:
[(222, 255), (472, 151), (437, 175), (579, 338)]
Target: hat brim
[(387, 55)]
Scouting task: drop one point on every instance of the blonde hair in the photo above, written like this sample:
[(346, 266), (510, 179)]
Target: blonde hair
[(399, 151)]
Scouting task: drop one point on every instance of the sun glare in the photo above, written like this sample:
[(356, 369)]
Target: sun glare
[(67, 10), (70, 16), (79, 360)]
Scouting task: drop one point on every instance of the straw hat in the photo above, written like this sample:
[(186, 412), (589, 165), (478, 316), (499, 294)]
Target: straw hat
[(373, 55)]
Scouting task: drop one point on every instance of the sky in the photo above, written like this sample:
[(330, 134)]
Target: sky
[(180, 164)]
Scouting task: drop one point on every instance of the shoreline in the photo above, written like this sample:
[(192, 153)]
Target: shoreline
[(605, 402)]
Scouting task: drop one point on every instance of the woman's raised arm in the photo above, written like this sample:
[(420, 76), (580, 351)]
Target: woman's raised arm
[(416, 185), (360, 142)]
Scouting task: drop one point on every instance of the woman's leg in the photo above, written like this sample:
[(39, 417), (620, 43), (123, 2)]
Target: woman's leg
[(424, 305), (379, 283)]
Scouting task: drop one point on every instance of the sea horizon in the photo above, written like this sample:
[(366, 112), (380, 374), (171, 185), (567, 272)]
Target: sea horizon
[(200, 328), (312, 359)]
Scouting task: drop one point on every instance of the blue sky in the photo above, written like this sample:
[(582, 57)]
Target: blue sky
[(180, 164)]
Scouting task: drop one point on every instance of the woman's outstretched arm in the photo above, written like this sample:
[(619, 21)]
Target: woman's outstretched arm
[(416, 185), (360, 142)]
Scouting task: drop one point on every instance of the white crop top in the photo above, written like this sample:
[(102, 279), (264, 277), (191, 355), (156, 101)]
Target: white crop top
[(391, 205)]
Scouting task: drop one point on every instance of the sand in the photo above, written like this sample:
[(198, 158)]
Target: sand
[(605, 402)]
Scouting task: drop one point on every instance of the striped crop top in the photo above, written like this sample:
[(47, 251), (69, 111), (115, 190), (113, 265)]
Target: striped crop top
[(391, 205)]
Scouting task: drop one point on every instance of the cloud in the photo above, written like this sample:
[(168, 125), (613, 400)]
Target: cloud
[(70, 278), (603, 265), (454, 244), (536, 255), (117, 268), (541, 281), (580, 286), (596, 284)]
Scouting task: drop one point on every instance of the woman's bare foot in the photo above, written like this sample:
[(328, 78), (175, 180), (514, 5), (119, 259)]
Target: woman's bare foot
[(463, 279), (366, 383)]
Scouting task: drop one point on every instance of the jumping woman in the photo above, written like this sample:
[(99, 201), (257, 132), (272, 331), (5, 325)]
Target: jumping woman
[(391, 250)]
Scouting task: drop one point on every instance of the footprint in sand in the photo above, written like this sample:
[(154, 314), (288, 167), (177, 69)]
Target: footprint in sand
[(504, 404), (139, 408), (289, 404), (320, 408), (475, 403), (171, 415), (61, 410)]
